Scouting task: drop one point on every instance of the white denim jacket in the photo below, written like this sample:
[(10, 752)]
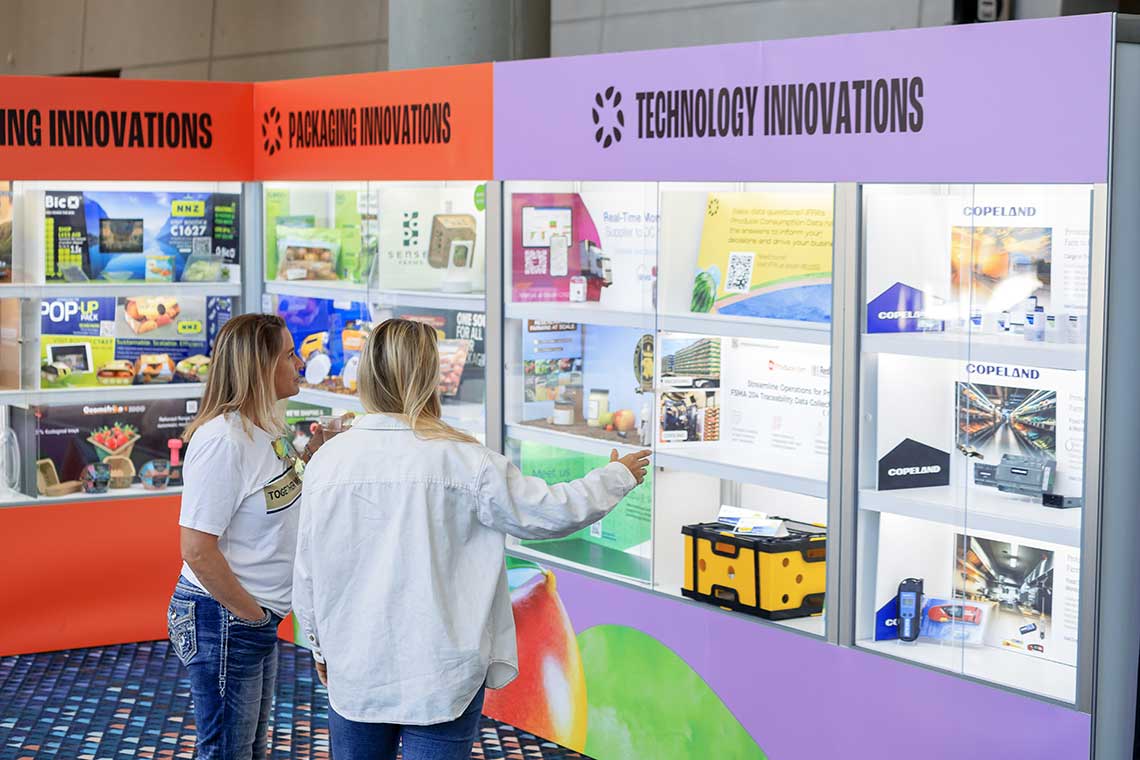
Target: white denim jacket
[(400, 585)]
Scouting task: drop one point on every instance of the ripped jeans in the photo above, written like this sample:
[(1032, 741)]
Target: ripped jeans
[(233, 673)]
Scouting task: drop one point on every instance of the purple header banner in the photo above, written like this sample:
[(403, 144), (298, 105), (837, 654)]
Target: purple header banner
[(1024, 101)]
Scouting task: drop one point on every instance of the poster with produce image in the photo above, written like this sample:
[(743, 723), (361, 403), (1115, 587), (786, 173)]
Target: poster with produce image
[(5, 232), (462, 351), (766, 254), (319, 232), (121, 236), (126, 435)]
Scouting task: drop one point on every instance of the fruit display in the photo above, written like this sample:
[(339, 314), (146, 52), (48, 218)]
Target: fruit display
[(549, 695), (117, 440), (308, 254)]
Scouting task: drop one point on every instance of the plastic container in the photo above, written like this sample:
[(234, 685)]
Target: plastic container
[(777, 578)]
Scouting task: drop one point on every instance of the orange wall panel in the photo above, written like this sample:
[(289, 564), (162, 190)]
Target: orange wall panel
[(86, 574)]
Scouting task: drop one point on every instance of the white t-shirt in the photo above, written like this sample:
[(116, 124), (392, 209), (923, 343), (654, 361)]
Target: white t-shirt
[(236, 487)]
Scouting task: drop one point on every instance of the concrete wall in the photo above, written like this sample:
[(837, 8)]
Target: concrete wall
[(238, 40), (280, 39)]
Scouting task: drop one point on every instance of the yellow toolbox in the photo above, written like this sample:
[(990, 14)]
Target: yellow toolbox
[(774, 577)]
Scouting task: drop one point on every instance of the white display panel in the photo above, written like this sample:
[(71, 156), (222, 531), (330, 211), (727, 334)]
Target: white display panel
[(972, 427)]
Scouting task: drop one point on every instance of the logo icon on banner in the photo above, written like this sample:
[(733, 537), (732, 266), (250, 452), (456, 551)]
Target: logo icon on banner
[(271, 131), (609, 132)]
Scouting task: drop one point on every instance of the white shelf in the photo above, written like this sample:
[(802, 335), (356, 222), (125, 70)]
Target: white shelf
[(1011, 668), (136, 491), (728, 463), (978, 348), (813, 624), (426, 299), (465, 415), (570, 441), (745, 327), (103, 394), (334, 290), (980, 510), (332, 400), (525, 552), (580, 313), (111, 289)]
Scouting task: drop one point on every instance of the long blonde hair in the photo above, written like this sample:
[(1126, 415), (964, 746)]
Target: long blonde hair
[(399, 376), (242, 372)]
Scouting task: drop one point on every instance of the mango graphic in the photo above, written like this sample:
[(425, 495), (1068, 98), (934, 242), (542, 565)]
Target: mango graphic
[(549, 696)]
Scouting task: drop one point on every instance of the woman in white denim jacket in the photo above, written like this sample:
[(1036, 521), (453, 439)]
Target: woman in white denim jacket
[(399, 584)]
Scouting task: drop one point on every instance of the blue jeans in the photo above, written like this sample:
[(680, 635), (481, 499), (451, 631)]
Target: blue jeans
[(378, 741), (233, 673)]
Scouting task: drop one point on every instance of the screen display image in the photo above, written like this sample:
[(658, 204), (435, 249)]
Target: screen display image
[(983, 258), (121, 235), (76, 356), (540, 224), (996, 419)]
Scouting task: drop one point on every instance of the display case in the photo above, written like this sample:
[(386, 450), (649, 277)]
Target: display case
[(117, 291), (386, 215), (692, 319), (973, 391), (340, 257), (882, 302)]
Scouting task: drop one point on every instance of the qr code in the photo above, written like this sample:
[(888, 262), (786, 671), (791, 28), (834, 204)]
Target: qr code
[(596, 530), (536, 262), (739, 273), (200, 246)]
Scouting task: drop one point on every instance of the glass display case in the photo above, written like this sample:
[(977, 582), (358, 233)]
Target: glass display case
[(342, 256), (693, 319), (973, 419), (111, 296)]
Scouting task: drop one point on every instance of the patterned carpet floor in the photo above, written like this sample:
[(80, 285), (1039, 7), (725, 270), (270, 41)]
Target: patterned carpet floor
[(133, 701)]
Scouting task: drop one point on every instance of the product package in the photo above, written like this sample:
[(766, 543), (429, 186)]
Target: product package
[(120, 437), (464, 381), (89, 342), (329, 336), (123, 236), (304, 241)]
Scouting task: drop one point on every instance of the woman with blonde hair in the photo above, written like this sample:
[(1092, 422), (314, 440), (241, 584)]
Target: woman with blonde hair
[(240, 509), (400, 585)]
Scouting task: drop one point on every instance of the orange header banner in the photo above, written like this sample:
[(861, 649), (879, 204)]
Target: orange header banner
[(427, 124), (112, 129)]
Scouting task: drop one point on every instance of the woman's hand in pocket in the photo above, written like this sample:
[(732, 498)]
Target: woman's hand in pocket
[(323, 673)]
